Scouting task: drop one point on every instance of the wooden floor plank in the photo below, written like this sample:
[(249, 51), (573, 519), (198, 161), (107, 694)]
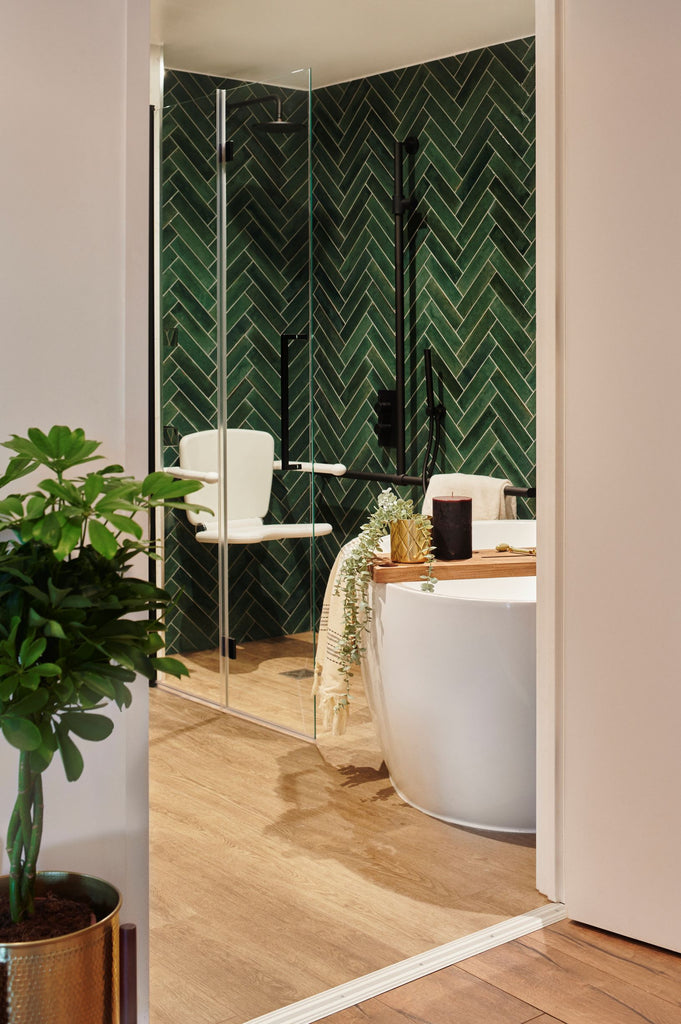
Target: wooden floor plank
[(280, 875), (654, 970), (566, 987), (445, 997)]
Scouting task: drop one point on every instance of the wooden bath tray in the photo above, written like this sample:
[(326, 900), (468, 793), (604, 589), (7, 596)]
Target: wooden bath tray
[(483, 565)]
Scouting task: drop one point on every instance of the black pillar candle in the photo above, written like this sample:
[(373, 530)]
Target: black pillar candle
[(453, 528)]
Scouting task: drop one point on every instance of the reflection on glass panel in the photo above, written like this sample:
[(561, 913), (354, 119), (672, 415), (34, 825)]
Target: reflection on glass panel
[(267, 402), (188, 363)]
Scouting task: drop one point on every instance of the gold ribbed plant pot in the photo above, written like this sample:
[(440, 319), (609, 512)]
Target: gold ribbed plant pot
[(409, 541), (73, 979)]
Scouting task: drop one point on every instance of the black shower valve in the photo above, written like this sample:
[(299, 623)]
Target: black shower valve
[(385, 427)]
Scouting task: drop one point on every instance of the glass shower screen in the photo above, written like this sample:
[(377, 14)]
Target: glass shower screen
[(266, 522)]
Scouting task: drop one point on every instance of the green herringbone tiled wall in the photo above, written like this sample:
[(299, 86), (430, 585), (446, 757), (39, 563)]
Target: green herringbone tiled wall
[(469, 275), (469, 268)]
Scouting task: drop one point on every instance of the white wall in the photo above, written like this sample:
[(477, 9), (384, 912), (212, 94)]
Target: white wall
[(73, 291), (620, 345)]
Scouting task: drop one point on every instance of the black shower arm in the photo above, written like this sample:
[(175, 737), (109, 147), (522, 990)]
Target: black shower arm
[(257, 99)]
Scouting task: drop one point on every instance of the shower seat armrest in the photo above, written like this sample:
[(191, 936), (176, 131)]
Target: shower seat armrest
[(204, 475), (325, 468)]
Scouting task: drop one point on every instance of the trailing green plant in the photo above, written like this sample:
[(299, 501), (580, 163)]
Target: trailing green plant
[(355, 575), (75, 626)]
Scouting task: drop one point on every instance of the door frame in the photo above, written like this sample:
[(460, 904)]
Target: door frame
[(550, 443)]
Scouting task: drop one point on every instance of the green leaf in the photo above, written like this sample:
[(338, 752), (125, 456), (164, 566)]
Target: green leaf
[(47, 669), (102, 539), (29, 705), (119, 504), (54, 629), (24, 447), (41, 442), (56, 594), (35, 506), (30, 651), (35, 619), (172, 666), (102, 687), (48, 529), (66, 491), (94, 485), (11, 506), (76, 601), (70, 754), (40, 759), (70, 538), (8, 685), (18, 466), (124, 523), (159, 486), (123, 696), (30, 680), (21, 733), (71, 535), (87, 725)]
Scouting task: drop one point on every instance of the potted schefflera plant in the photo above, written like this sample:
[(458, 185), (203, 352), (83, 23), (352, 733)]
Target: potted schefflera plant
[(76, 628)]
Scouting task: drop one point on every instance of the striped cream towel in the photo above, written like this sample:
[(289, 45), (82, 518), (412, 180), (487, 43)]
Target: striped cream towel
[(487, 492), (329, 686)]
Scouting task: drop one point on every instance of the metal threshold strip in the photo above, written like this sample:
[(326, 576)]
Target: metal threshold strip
[(306, 1011)]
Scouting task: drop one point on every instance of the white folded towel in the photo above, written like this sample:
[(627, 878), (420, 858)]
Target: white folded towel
[(487, 492)]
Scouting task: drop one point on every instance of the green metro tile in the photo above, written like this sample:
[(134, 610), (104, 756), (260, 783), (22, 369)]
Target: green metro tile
[(203, 270), (509, 204), (521, 263), (516, 285), (195, 363), (514, 62), (512, 302), (190, 303), (512, 374), (472, 69), (474, 449), (515, 413), (471, 165)]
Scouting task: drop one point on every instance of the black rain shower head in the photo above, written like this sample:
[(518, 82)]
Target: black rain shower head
[(277, 127)]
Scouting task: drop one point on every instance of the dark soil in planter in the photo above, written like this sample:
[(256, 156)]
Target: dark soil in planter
[(54, 916)]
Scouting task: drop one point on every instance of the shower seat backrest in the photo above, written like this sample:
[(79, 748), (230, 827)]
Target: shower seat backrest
[(250, 462)]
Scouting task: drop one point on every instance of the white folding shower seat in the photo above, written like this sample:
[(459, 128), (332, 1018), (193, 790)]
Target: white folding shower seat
[(250, 467)]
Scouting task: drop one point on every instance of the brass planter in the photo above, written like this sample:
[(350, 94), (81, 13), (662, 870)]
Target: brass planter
[(72, 979), (409, 541)]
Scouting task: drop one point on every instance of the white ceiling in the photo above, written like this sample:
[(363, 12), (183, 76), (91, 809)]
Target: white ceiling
[(340, 40)]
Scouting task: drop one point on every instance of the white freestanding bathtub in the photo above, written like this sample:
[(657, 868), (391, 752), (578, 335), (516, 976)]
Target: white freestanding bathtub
[(450, 679)]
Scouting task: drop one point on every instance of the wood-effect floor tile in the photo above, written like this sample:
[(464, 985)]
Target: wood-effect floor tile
[(446, 997), (276, 875), (570, 988)]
